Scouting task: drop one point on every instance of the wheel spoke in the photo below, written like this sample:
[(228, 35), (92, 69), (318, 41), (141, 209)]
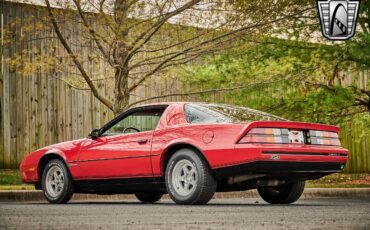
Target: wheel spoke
[(189, 186), (54, 181), (184, 177)]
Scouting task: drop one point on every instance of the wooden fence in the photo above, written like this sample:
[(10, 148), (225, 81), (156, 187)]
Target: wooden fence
[(359, 148), (42, 109)]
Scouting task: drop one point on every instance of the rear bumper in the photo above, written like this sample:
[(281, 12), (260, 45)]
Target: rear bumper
[(278, 168), (282, 159)]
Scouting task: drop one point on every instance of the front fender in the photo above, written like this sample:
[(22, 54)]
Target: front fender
[(33, 163)]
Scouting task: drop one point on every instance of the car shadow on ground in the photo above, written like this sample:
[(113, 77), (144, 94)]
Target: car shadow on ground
[(169, 203)]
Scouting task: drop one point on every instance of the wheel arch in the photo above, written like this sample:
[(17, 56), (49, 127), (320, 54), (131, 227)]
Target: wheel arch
[(172, 149), (45, 159)]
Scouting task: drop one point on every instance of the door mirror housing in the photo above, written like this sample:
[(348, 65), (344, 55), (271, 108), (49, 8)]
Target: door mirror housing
[(95, 133)]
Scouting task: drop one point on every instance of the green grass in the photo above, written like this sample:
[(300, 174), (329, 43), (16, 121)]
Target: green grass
[(17, 187), (10, 177), (12, 180), (315, 185), (341, 180)]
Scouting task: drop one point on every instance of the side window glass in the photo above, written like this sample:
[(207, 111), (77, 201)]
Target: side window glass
[(140, 121), (197, 114)]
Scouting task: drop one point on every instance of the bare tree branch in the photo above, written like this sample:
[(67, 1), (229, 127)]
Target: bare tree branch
[(241, 30), (93, 33), (206, 91), (75, 59), (149, 34), (292, 78)]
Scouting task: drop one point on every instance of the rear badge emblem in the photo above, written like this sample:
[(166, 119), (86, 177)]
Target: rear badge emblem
[(275, 157), (296, 136)]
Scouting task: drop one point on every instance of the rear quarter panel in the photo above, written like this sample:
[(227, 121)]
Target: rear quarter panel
[(215, 141)]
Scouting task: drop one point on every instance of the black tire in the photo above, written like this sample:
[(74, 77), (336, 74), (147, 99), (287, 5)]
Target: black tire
[(282, 194), (149, 198), (66, 191), (205, 183)]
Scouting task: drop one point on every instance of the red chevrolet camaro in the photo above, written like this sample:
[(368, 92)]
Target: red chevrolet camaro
[(189, 150)]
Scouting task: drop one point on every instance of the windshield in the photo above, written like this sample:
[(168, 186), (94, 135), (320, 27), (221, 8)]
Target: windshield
[(220, 113)]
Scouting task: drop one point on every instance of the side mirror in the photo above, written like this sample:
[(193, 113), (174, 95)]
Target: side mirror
[(95, 133)]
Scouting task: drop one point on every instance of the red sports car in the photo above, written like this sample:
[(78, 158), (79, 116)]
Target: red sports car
[(189, 150)]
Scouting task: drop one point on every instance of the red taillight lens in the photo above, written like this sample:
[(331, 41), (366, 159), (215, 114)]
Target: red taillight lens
[(266, 135), (317, 137)]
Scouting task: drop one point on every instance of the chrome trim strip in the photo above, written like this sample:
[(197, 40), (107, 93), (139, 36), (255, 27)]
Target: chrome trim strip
[(113, 158), (305, 153)]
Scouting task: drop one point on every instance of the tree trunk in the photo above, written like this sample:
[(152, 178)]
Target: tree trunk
[(121, 93), (120, 105)]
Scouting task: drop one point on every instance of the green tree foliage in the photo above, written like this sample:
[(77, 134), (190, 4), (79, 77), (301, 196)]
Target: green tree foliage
[(303, 81), (307, 81)]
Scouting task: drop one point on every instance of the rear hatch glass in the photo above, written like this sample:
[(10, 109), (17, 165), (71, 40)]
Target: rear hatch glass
[(220, 113)]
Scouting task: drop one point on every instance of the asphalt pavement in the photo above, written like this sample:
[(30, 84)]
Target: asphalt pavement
[(232, 213)]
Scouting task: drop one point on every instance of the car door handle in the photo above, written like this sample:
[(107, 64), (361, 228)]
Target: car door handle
[(142, 141)]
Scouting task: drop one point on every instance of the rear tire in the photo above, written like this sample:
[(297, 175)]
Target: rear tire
[(189, 179), (57, 183), (282, 194), (148, 198)]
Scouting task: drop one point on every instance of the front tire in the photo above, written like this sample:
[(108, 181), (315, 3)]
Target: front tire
[(189, 179), (282, 194), (149, 198), (57, 184)]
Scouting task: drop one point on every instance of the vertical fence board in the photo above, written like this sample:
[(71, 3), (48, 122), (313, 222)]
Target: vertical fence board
[(13, 94), (68, 113), (25, 120), (6, 112), (74, 114), (50, 97), (3, 21), (80, 107), (31, 101)]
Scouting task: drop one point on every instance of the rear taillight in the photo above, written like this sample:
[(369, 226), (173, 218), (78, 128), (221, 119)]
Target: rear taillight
[(266, 135), (317, 137), (286, 136)]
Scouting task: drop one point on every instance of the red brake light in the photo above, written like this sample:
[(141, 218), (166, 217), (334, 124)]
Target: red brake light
[(317, 137), (266, 135)]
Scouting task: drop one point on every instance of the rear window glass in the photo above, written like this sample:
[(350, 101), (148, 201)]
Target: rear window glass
[(219, 113)]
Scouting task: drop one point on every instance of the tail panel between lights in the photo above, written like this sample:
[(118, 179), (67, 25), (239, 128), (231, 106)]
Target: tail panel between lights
[(290, 136)]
